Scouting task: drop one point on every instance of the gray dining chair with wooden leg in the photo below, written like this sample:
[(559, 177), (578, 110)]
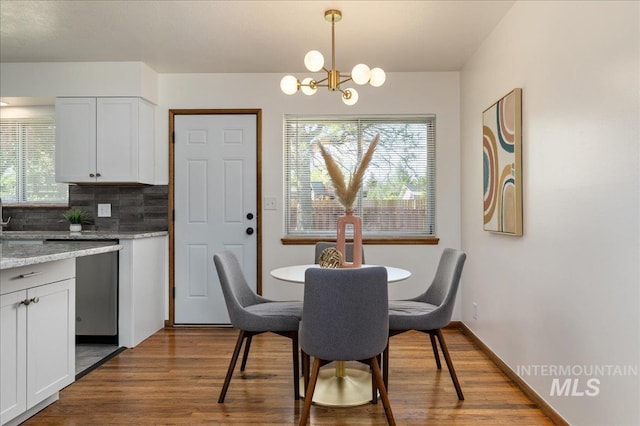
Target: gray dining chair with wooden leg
[(345, 317), (252, 314), (430, 312)]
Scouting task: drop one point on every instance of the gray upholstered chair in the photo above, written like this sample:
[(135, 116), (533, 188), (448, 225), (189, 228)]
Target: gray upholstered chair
[(344, 318), (430, 311), (322, 245), (253, 314)]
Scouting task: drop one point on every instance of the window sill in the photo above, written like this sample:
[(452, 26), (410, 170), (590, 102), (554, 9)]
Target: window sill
[(365, 240)]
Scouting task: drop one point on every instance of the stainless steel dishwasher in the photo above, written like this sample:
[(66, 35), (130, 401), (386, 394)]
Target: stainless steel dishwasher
[(96, 297)]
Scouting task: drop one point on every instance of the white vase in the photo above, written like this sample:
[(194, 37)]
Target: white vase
[(75, 227)]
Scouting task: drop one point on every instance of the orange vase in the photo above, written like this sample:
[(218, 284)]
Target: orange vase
[(356, 222)]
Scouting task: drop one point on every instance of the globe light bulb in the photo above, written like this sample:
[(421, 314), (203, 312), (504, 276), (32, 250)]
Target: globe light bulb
[(378, 77), (308, 86), (360, 74), (313, 60), (350, 96), (289, 84)]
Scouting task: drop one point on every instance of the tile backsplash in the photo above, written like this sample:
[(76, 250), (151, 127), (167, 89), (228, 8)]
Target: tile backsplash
[(133, 208)]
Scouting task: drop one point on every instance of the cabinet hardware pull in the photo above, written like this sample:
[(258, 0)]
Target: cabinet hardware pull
[(35, 299), (29, 274), (98, 175), (92, 175), (27, 302)]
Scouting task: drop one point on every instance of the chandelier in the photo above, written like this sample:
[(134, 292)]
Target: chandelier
[(314, 61)]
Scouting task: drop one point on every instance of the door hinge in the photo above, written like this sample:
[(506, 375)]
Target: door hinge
[(173, 137), (173, 215), (173, 293)]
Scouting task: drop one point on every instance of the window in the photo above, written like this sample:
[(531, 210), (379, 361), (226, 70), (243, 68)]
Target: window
[(397, 198), (27, 162)]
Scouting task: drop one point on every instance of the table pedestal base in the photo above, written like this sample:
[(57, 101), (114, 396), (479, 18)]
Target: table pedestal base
[(351, 389)]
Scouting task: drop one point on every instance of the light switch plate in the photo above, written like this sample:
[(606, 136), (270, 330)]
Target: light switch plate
[(104, 210), (270, 203)]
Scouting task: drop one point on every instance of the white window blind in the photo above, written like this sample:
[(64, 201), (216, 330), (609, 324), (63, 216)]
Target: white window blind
[(27, 162), (397, 197)]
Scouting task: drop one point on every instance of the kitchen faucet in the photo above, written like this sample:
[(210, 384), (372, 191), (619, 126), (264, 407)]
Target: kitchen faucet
[(2, 223)]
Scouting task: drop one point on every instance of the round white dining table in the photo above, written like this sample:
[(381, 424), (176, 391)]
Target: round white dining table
[(295, 273), (341, 386)]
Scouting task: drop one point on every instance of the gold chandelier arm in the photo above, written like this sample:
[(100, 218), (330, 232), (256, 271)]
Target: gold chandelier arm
[(349, 78)]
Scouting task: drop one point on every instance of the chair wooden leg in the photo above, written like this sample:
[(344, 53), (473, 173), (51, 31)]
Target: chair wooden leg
[(232, 366), (306, 359), (447, 358), (374, 385), (383, 391), (308, 395), (245, 355), (435, 350), (296, 367), (385, 366), (374, 391)]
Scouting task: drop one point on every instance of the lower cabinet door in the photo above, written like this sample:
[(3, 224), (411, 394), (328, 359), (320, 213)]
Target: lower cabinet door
[(13, 372), (50, 339)]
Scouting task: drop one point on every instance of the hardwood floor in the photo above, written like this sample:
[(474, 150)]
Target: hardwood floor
[(175, 376)]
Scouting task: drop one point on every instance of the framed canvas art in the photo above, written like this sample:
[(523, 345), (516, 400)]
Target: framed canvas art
[(502, 164)]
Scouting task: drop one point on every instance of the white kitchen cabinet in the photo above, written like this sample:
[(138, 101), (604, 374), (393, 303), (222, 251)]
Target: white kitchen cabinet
[(104, 140), (143, 283), (13, 356), (37, 337)]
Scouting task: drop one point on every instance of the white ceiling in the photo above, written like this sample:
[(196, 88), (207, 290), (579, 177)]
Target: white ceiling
[(248, 36)]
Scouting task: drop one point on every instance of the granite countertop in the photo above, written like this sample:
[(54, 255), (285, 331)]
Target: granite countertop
[(84, 235), (14, 254)]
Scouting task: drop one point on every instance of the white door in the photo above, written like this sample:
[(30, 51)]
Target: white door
[(215, 209)]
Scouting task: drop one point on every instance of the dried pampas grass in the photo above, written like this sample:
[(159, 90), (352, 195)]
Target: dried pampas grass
[(347, 194)]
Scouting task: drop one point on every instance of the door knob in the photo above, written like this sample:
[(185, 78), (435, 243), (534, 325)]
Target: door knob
[(249, 231)]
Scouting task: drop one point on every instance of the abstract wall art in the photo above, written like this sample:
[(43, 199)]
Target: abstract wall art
[(502, 164)]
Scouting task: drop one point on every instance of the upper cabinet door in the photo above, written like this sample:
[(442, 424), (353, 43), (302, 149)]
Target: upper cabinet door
[(112, 143), (117, 139), (75, 139)]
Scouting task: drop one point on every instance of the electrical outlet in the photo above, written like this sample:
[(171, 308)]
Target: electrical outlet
[(104, 210), (270, 203), (475, 311)]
